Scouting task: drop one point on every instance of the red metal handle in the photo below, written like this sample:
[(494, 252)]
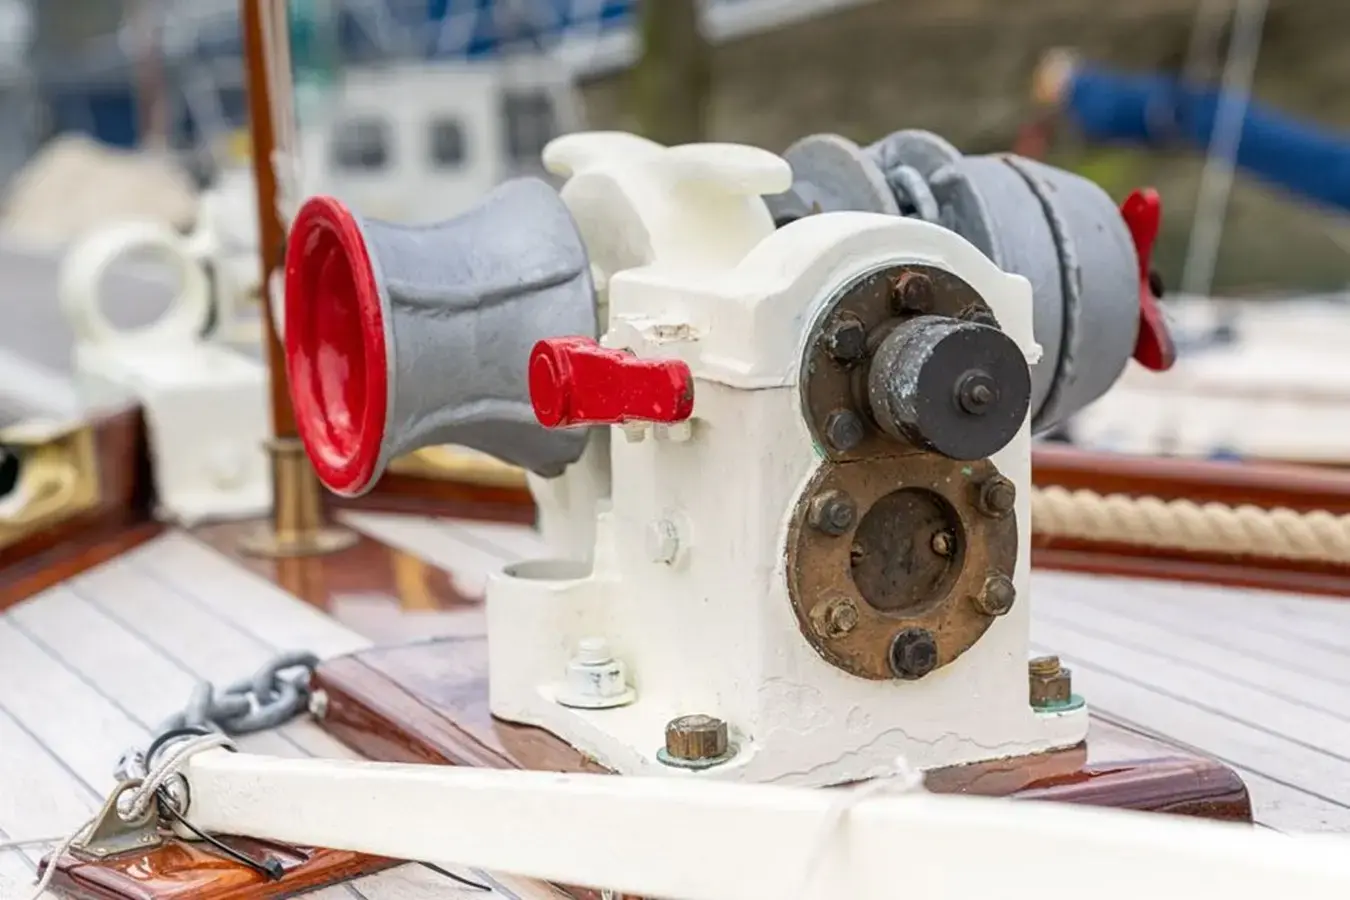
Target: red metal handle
[(1154, 348), (575, 381)]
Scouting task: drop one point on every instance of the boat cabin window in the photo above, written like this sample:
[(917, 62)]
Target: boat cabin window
[(530, 124), (447, 143), (361, 144)]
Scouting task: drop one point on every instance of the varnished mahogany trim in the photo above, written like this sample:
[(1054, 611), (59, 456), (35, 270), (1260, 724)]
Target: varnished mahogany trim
[(182, 870), (121, 520), (1267, 485)]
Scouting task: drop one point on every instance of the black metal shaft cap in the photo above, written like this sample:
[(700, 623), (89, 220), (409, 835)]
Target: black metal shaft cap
[(959, 388)]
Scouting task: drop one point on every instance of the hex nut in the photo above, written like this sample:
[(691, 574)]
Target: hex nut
[(832, 512), (997, 497), (997, 597), (696, 737), (834, 618), (846, 339), (912, 292), (1051, 685), (844, 430), (914, 653)]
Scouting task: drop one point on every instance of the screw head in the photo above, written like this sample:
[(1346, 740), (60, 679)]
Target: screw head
[(696, 737), (844, 430), (997, 597), (912, 292), (835, 618), (943, 543), (846, 339), (914, 653), (832, 512), (998, 496)]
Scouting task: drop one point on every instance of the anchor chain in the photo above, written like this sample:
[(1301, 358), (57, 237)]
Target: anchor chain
[(278, 692)]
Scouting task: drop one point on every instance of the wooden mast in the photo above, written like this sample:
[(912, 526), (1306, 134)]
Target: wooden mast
[(298, 526), (268, 73)]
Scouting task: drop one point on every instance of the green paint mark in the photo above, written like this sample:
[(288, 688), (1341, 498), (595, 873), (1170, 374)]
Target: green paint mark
[(967, 470)]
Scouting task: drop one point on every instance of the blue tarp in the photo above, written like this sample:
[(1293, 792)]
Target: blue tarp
[(1155, 110)]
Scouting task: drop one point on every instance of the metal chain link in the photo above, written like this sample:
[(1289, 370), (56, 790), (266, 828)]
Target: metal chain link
[(272, 696)]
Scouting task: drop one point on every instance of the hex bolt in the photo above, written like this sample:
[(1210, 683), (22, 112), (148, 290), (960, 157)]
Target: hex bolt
[(844, 430), (1051, 685), (914, 653), (943, 543), (997, 597), (835, 618), (696, 738), (912, 292), (846, 339), (997, 498), (595, 679), (832, 512)]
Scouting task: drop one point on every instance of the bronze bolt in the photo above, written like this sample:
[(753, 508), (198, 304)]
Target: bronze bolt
[(1051, 684), (912, 292), (832, 512), (695, 738), (834, 618), (997, 497), (997, 597)]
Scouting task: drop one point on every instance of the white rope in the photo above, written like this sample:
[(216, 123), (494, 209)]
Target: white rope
[(1184, 524), (1216, 180), (141, 799), (902, 779)]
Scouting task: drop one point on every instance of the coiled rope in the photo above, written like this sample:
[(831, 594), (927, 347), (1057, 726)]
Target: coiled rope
[(1286, 534)]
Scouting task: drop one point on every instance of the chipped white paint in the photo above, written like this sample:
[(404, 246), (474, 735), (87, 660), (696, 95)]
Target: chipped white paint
[(691, 597)]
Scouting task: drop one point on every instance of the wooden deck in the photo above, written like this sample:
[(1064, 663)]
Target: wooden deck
[(1259, 680)]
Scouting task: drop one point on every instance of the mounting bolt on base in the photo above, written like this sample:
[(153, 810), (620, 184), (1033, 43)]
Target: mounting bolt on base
[(914, 653), (696, 742), (1051, 685), (595, 679)]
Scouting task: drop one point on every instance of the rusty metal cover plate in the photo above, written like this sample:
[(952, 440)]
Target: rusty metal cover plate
[(833, 378), (895, 549)]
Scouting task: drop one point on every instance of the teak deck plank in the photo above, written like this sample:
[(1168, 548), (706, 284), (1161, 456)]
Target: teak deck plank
[(88, 667)]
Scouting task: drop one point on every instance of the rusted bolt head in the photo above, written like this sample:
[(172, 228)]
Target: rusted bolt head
[(832, 512), (978, 315), (1050, 683), (943, 543), (912, 292), (997, 596), (846, 339), (997, 497), (844, 430), (914, 653), (697, 737), (834, 618)]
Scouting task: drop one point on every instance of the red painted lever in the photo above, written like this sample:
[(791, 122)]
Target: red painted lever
[(1154, 348), (575, 381)]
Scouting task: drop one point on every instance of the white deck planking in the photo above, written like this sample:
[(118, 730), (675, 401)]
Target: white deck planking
[(1257, 679), (90, 667)]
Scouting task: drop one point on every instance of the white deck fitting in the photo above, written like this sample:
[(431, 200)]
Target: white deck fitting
[(1260, 680)]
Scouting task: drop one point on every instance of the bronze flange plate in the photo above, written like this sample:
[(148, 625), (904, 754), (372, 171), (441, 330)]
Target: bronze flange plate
[(834, 374), (898, 564)]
